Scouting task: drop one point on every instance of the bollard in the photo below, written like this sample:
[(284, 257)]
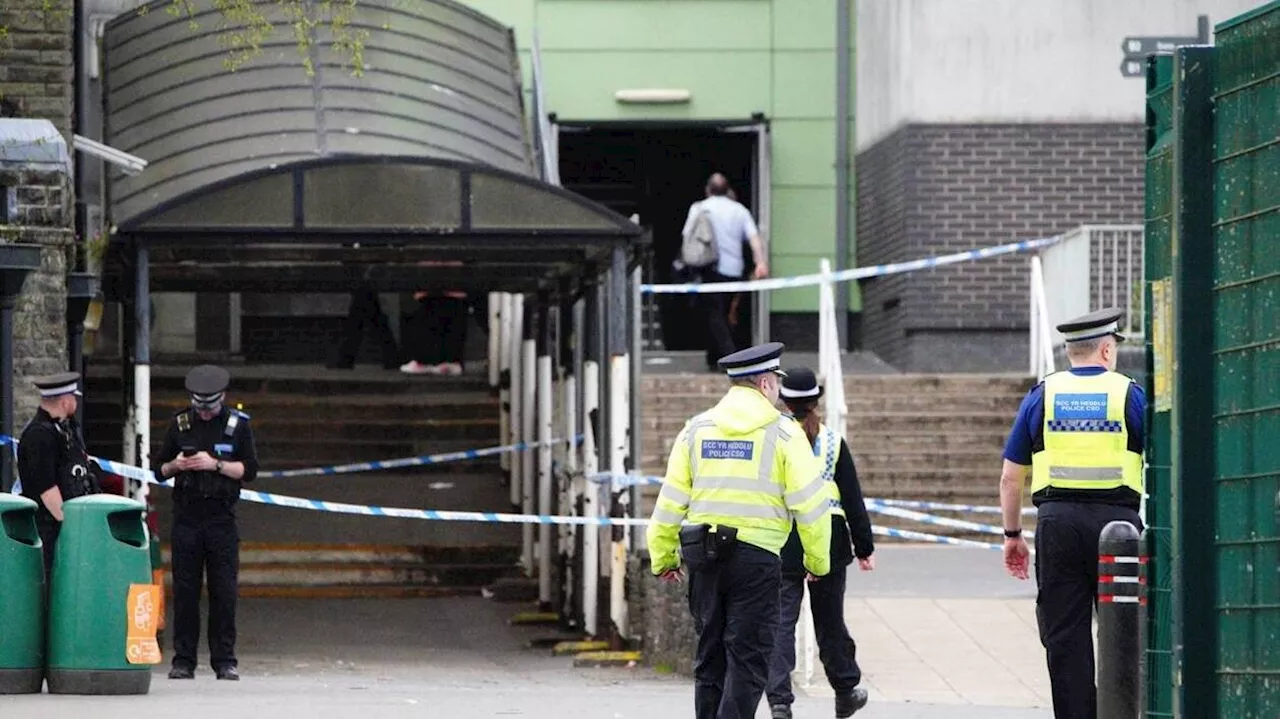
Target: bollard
[(1121, 602)]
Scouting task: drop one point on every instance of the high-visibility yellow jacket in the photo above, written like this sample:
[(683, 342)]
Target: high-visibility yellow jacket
[(1086, 441), (743, 464)]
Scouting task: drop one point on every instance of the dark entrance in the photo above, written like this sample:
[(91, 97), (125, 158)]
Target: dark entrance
[(656, 172)]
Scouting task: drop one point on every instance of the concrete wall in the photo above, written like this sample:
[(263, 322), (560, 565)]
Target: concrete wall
[(737, 58), (976, 61)]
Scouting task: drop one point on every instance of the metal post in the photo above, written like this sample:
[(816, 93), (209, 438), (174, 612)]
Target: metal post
[(619, 417), (544, 451), (528, 428), (142, 365), (7, 453), (514, 352), (1121, 596), (501, 333), (635, 454), (843, 162), (573, 493), (590, 459), (495, 340)]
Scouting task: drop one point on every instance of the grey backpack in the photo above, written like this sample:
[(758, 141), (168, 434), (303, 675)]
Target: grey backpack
[(699, 249)]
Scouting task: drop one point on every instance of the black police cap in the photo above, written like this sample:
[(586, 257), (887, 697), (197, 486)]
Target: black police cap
[(800, 384), (1093, 325), (207, 381), (754, 360), (56, 385)]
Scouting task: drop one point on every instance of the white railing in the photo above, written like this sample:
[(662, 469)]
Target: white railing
[(1087, 269)]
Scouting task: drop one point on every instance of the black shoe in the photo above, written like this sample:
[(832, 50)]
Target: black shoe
[(182, 673), (230, 674), (780, 711), (847, 704)]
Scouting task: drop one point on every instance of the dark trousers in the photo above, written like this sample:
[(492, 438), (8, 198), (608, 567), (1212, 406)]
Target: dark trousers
[(1067, 595), (363, 312), (197, 546), (715, 312), (48, 532), (438, 331), (836, 648), (735, 615)]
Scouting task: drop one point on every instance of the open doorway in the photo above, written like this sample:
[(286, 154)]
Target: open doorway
[(657, 171)]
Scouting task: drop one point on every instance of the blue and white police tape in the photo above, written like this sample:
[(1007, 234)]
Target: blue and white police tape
[(857, 273), (930, 538), (408, 461), (921, 517), (945, 507)]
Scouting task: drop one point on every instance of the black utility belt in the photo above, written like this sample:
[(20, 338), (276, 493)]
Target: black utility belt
[(717, 543)]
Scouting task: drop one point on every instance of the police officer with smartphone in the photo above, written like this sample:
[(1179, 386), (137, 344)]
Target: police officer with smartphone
[(210, 454)]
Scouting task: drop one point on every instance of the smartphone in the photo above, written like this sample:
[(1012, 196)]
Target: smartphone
[(188, 451)]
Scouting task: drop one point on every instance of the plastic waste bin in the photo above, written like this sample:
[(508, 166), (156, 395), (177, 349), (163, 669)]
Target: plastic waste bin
[(102, 561), (21, 597)]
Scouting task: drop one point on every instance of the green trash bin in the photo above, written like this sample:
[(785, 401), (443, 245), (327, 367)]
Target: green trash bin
[(102, 551), (21, 597)]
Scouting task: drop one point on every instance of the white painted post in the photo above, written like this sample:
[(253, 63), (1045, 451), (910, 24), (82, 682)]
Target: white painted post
[(495, 339), (502, 336), (573, 484), (591, 501), (528, 405), (516, 326), (544, 480), (142, 425), (620, 417)]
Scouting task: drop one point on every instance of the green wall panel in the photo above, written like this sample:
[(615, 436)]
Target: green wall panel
[(804, 221), (582, 85), (704, 25), (804, 85), (517, 14), (800, 299), (804, 153), (804, 24)]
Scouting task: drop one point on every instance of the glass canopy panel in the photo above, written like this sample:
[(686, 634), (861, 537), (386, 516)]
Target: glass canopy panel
[(499, 202), (418, 197), (261, 202)]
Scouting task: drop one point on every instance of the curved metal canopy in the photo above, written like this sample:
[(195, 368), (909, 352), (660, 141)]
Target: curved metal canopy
[(427, 152)]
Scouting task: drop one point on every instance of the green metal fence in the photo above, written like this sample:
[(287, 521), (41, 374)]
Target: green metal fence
[(1213, 285)]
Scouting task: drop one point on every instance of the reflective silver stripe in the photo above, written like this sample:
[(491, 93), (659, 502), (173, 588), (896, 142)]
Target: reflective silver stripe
[(766, 459), (666, 516), (809, 491), (812, 515), (745, 484), (738, 509), (695, 424), (1087, 473), (674, 494)]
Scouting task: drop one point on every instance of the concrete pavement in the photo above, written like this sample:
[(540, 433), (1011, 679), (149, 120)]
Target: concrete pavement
[(925, 657)]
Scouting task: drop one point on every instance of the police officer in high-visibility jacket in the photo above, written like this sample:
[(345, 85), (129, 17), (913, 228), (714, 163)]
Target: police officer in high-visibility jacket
[(1080, 436), (737, 476)]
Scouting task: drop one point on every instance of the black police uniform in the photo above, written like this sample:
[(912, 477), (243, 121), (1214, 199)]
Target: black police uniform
[(850, 535), (51, 453), (1068, 525), (204, 534)]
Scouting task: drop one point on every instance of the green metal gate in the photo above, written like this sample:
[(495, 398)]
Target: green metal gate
[(1213, 244)]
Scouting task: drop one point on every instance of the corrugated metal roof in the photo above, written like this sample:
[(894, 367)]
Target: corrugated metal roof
[(441, 81), (32, 144)]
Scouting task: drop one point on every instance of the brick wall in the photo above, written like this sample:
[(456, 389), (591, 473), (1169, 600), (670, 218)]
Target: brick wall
[(937, 189), (35, 60)]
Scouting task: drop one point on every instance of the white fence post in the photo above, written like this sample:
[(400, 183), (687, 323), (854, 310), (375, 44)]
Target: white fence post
[(591, 501), (528, 405), (620, 417), (544, 476), (515, 329)]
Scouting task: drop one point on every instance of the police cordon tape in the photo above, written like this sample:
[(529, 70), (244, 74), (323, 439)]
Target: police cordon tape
[(411, 461), (857, 273), (281, 500)]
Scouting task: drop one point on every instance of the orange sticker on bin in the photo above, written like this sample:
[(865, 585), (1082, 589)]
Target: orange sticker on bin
[(143, 618)]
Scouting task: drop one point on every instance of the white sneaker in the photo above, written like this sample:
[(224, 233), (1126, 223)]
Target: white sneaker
[(415, 367), (450, 369)]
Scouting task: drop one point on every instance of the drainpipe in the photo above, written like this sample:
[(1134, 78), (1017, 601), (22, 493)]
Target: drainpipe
[(843, 163)]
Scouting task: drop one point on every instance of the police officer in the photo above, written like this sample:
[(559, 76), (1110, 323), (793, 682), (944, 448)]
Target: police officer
[(850, 536), (1079, 434), (209, 449), (738, 475), (53, 464)]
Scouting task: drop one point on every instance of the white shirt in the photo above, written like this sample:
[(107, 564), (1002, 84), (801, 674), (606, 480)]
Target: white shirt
[(732, 225)]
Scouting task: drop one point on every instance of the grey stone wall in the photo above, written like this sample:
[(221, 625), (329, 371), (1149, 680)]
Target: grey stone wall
[(35, 60), (659, 614), (938, 189)]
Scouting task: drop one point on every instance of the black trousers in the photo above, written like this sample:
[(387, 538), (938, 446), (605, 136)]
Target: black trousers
[(715, 312), (836, 649), (48, 532), (438, 331), (363, 312), (735, 615), (197, 546), (1067, 595)]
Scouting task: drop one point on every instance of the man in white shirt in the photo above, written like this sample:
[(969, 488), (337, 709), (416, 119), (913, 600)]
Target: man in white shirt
[(732, 224)]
